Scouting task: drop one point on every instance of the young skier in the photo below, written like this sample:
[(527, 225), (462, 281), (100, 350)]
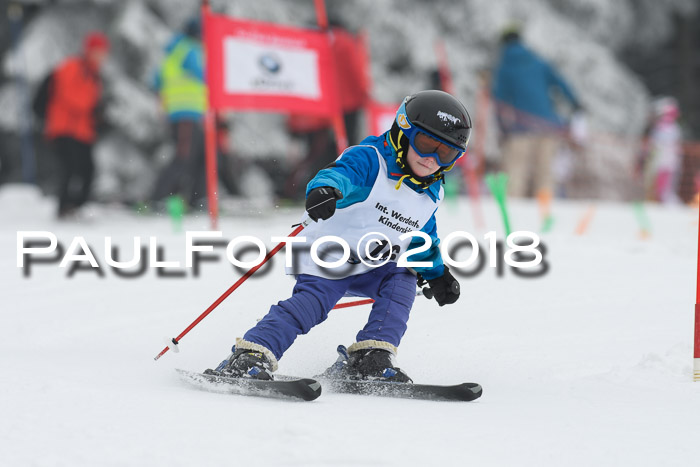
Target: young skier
[(389, 184)]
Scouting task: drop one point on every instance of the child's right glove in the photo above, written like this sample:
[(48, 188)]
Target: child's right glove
[(320, 203), (445, 288)]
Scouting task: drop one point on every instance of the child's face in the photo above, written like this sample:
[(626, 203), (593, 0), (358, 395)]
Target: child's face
[(421, 166)]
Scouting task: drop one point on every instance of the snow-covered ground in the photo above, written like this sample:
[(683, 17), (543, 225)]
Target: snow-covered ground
[(588, 365)]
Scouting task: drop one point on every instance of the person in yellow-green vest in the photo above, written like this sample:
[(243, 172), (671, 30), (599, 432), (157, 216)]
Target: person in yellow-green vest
[(180, 82)]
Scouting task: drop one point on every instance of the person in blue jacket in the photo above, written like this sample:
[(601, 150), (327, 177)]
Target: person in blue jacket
[(522, 89), (386, 186)]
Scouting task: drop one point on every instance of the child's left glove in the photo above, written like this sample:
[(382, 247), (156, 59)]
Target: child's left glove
[(445, 288), (320, 203)]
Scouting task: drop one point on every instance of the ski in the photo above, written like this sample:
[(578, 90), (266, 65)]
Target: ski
[(458, 392), (336, 380), (305, 389)]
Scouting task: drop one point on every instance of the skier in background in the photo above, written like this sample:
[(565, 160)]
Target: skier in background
[(71, 121), (180, 82), (389, 184), (529, 124), (664, 150)]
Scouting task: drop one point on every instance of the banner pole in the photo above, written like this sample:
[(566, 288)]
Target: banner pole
[(209, 129), (443, 68), (341, 137), (696, 346), (210, 164), (369, 105)]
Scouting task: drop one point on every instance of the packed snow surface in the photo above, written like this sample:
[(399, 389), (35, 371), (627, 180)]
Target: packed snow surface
[(590, 364)]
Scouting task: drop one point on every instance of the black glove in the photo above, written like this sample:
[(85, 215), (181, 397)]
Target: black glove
[(445, 289), (320, 203)]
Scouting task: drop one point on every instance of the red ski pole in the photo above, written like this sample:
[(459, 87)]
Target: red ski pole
[(176, 340), (366, 301)]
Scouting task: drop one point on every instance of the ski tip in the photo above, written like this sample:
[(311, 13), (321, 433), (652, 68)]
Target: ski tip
[(471, 391), (305, 389), (312, 389)]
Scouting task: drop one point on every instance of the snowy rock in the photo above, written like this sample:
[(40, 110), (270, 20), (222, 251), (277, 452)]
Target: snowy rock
[(25, 202), (124, 173), (258, 135), (134, 109), (145, 35), (256, 185), (616, 25), (55, 33), (175, 13), (11, 105)]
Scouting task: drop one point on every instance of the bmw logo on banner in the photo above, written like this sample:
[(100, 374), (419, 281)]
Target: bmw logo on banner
[(270, 64)]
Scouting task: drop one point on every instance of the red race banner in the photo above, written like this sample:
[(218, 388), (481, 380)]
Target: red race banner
[(267, 67), (381, 117)]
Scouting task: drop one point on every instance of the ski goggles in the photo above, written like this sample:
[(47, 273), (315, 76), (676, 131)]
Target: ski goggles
[(426, 145)]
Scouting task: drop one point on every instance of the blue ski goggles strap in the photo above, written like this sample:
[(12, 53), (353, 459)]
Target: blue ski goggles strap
[(426, 145)]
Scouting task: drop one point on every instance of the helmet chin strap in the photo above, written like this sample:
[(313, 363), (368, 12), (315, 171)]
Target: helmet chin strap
[(399, 141)]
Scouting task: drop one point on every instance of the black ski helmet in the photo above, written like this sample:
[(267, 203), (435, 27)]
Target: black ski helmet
[(436, 113)]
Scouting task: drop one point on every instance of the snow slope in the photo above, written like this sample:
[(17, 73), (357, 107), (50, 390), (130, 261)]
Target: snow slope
[(588, 365)]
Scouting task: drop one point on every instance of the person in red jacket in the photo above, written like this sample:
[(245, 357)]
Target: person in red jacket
[(71, 120)]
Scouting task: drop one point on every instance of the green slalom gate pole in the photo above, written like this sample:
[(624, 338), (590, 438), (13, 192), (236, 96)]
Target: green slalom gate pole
[(498, 185), (175, 206), (642, 219)]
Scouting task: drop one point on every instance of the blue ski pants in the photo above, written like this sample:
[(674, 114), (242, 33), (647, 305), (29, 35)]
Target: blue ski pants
[(392, 288)]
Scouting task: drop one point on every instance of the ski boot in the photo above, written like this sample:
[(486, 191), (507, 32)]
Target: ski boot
[(244, 363), (371, 364)]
